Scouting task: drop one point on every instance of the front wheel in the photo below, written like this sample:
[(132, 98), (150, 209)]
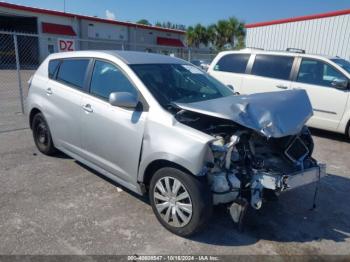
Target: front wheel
[(181, 202)]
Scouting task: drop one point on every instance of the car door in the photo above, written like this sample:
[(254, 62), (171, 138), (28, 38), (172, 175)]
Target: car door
[(230, 70), (317, 78), (112, 136), (64, 90), (268, 73)]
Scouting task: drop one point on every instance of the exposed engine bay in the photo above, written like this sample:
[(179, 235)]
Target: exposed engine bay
[(245, 165)]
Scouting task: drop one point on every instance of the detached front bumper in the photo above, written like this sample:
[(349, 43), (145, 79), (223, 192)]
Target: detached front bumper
[(306, 177), (282, 183)]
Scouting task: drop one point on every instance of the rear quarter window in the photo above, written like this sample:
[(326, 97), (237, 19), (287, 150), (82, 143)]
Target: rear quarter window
[(53, 65), (233, 63), (273, 66), (72, 72)]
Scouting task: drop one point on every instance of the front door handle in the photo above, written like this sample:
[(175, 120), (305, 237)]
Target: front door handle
[(49, 91), (282, 87), (88, 108)]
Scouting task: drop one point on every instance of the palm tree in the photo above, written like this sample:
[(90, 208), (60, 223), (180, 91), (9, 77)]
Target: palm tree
[(190, 36), (232, 30), (200, 33), (223, 33), (241, 33), (220, 34), (196, 35), (211, 34), (236, 30)]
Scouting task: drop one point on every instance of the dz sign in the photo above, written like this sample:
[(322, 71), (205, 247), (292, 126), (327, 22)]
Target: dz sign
[(65, 45)]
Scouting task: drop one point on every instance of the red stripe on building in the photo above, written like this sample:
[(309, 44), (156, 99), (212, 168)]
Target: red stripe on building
[(169, 42), (57, 29), (90, 18), (299, 18)]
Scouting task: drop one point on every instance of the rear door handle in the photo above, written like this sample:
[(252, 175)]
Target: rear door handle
[(282, 87), (88, 108), (49, 91)]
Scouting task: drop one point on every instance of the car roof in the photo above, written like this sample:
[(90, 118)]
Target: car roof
[(128, 57), (278, 52)]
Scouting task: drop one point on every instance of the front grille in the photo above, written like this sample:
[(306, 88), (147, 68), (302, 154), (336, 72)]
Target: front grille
[(297, 150)]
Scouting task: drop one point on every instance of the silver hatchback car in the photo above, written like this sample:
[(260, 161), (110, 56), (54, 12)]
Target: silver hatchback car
[(159, 125)]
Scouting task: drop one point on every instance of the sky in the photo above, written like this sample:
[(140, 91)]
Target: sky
[(191, 12)]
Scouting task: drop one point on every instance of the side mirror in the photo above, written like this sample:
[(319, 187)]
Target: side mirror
[(231, 87), (123, 99), (340, 83)]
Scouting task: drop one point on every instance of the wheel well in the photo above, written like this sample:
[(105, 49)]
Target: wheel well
[(158, 164), (32, 114)]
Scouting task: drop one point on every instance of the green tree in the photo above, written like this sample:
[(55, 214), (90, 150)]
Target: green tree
[(223, 34), (143, 22), (240, 42), (236, 30), (211, 34), (181, 27), (228, 33), (201, 35), (196, 35), (190, 37)]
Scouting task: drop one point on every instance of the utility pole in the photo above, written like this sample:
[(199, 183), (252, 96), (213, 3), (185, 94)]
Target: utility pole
[(64, 6)]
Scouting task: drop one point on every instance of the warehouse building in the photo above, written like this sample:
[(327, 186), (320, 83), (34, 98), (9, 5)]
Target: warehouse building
[(60, 31), (327, 33)]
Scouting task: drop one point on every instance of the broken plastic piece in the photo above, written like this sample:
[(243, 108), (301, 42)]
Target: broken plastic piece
[(238, 210)]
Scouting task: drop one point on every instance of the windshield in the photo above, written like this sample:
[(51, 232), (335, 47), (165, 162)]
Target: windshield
[(171, 83), (343, 63)]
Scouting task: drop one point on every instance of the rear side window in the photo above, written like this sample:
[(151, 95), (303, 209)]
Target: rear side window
[(53, 65), (234, 63), (273, 66), (72, 72)]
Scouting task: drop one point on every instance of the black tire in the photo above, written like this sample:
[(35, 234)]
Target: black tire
[(42, 135), (347, 131), (200, 198)]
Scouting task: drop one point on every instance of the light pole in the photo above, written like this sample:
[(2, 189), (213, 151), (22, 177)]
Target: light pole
[(64, 6)]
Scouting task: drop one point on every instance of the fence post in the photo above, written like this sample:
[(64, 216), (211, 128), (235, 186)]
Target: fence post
[(18, 72), (189, 54)]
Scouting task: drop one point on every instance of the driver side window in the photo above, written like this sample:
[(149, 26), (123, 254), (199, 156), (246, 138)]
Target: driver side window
[(107, 78), (315, 72)]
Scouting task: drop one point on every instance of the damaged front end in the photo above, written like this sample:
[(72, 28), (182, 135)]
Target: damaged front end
[(252, 165), (268, 156)]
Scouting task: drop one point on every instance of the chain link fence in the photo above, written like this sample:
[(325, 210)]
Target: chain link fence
[(21, 54)]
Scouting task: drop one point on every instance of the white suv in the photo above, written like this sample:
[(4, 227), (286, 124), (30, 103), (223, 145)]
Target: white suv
[(325, 79)]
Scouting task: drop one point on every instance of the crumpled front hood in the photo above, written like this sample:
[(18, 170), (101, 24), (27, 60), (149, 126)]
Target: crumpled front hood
[(273, 114)]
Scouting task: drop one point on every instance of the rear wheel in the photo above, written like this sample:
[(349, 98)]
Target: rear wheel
[(181, 202), (42, 136), (347, 131)]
